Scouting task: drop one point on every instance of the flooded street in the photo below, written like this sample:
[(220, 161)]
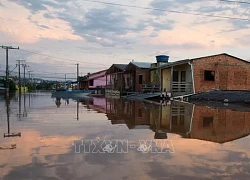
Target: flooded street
[(68, 138)]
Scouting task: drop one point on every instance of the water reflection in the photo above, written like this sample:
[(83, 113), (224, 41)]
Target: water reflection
[(45, 149), (9, 133), (218, 123)]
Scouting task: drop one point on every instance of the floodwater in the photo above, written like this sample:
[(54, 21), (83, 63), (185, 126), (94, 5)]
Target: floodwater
[(97, 138)]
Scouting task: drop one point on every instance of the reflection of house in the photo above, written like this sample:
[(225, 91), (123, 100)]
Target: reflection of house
[(138, 73), (115, 82), (219, 125), (93, 81), (222, 72), (185, 119), (114, 110)]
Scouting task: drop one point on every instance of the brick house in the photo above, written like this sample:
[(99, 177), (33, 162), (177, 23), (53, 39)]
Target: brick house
[(115, 79), (137, 74), (216, 72)]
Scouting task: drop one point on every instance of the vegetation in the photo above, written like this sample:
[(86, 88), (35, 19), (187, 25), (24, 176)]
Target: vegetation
[(45, 86), (12, 84)]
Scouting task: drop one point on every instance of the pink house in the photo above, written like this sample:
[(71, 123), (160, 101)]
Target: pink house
[(95, 80)]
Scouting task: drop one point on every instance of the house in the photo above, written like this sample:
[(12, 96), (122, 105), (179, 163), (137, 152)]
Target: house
[(216, 72), (115, 79), (136, 75), (94, 81), (155, 75)]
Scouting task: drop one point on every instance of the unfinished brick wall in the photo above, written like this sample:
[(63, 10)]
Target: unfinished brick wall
[(230, 73), (226, 125)]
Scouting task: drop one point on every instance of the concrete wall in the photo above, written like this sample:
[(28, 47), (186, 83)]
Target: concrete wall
[(166, 80), (100, 81), (187, 69), (230, 73)]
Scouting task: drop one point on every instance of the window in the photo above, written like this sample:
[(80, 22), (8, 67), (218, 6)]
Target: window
[(91, 82), (209, 75), (183, 76), (140, 79), (175, 76), (208, 121)]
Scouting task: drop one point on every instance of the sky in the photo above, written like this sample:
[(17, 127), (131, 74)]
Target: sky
[(54, 35)]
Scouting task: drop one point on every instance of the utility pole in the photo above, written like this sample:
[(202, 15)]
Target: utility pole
[(7, 65), (30, 76), (24, 78), (65, 83), (19, 74), (77, 70)]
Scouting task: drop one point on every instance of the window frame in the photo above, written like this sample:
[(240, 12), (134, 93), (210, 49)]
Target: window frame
[(208, 78)]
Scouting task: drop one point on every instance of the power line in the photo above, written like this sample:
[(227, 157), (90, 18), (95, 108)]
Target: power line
[(10, 33), (232, 1), (170, 11), (72, 60)]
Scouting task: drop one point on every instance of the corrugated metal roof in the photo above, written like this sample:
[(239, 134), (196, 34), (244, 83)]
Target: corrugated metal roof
[(144, 65), (120, 66), (170, 64)]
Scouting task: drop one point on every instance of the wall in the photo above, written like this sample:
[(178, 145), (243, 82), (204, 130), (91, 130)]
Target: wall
[(100, 81), (166, 80), (187, 69), (230, 73), (145, 80)]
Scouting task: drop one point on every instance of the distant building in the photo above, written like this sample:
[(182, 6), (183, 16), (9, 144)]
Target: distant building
[(137, 74), (216, 72), (94, 81), (115, 82)]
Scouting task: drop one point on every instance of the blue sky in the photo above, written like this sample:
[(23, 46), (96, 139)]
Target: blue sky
[(96, 35)]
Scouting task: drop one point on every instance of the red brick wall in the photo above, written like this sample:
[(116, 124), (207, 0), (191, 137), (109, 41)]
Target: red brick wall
[(230, 73), (145, 80)]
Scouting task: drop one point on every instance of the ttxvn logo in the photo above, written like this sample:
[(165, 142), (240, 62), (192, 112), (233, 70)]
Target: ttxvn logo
[(122, 146)]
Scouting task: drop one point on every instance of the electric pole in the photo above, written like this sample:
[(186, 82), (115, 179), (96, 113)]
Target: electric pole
[(24, 78), (77, 69), (7, 65), (30, 81), (65, 83), (19, 74)]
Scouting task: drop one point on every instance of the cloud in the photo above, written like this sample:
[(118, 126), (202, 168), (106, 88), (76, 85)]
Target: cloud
[(186, 46), (169, 5), (163, 25), (37, 6), (1, 4), (106, 26), (244, 40)]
